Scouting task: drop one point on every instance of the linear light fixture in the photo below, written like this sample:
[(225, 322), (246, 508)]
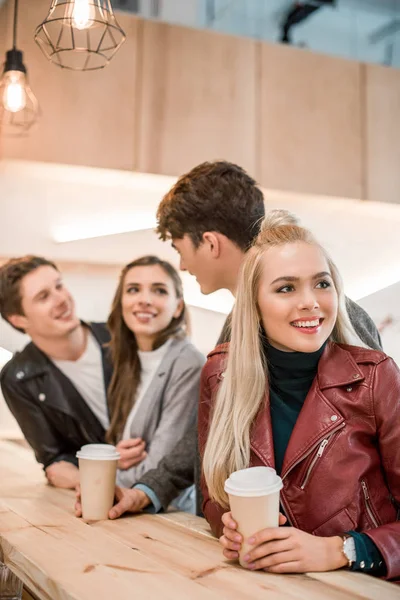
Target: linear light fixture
[(105, 226)]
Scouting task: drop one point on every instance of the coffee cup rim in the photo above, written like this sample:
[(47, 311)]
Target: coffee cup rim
[(254, 488), (99, 456), (98, 452)]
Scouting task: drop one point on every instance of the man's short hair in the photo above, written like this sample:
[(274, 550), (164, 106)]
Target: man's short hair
[(214, 196), (11, 275)]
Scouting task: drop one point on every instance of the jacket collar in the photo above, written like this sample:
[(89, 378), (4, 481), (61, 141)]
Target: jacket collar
[(32, 362), (319, 417), (329, 375), (175, 348)]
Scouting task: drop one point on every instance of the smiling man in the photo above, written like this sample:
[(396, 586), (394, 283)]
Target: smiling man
[(56, 387)]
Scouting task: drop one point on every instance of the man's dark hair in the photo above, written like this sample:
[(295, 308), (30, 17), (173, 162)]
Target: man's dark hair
[(214, 196), (11, 275)]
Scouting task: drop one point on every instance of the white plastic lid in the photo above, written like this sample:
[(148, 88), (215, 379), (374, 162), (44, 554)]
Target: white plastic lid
[(254, 481), (98, 452)]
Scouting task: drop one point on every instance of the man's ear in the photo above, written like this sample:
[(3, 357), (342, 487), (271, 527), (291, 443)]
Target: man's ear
[(18, 321), (211, 238)]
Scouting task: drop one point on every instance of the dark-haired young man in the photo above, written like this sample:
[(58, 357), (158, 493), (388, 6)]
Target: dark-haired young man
[(56, 387), (211, 215)]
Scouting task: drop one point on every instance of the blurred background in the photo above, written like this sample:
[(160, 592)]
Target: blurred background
[(304, 95)]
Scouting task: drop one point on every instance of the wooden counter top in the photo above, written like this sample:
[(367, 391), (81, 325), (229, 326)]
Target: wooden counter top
[(171, 556)]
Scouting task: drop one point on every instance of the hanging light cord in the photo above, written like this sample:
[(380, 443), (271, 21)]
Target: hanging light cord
[(15, 24)]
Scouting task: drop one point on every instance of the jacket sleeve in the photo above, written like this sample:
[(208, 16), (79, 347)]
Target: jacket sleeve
[(363, 325), (180, 401), (37, 430), (386, 398), (208, 386), (175, 472)]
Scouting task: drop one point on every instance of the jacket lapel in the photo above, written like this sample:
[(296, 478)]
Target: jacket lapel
[(152, 401), (58, 391), (103, 337), (70, 402), (319, 417), (261, 435)]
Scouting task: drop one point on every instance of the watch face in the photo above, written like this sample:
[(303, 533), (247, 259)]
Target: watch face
[(349, 549)]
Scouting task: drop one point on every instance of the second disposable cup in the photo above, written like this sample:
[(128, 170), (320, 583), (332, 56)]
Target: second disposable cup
[(254, 501), (97, 472)]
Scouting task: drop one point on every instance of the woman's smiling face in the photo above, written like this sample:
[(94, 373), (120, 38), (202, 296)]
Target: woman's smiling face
[(149, 302), (297, 299)]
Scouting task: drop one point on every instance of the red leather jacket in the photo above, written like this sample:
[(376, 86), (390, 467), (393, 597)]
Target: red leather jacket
[(341, 469)]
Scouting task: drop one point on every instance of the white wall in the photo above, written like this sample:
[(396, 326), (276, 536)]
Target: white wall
[(39, 199), (384, 308), (9, 428)]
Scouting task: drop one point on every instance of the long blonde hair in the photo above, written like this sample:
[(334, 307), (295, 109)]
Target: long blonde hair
[(242, 390)]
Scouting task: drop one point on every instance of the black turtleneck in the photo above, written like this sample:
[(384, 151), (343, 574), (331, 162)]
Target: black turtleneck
[(291, 375)]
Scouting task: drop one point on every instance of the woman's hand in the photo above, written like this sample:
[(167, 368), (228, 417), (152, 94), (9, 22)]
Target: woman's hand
[(132, 452), (231, 540), (290, 550), (127, 500)]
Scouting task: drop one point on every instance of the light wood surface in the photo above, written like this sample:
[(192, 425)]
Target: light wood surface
[(382, 133), (26, 595), (154, 556), (310, 122), (197, 100)]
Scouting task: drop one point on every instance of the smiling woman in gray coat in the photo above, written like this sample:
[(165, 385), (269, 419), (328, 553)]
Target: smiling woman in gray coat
[(154, 390)]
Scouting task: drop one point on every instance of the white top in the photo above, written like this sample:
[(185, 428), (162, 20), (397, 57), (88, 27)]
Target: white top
[(86, 374), (149, 363)]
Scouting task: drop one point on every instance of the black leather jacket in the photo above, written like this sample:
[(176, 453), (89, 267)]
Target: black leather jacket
[(53, 416)]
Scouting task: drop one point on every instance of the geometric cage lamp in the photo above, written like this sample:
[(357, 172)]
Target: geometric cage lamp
[(80, 35)]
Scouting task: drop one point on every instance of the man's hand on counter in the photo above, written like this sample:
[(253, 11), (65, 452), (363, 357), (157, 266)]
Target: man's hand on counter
[(63, 474), (127, 500)]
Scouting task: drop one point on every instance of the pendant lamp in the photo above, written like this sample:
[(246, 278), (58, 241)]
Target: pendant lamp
[(80, 35), (19, 108)]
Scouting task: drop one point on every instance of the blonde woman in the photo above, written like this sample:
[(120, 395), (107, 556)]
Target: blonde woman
[(295, 390)]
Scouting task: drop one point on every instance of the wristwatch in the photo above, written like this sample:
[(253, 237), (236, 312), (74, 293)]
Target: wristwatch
[(349, 549)]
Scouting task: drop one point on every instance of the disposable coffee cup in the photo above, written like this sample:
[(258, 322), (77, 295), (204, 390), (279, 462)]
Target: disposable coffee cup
[(254, 501), (97, 473)]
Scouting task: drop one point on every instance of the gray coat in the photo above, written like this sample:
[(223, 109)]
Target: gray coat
[(168, 407)]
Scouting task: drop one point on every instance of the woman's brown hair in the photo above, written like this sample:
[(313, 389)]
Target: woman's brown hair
[(124, 349)]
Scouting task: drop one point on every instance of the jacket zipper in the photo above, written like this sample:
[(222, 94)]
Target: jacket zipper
[(283, 501), (311, 450), (368, 503), (320, 452)]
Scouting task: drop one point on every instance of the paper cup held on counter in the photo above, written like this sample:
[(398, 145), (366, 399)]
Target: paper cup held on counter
[(97, 472), (254, 501)]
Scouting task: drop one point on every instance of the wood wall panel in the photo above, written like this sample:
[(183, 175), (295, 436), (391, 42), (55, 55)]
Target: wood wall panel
[(5, 42), (173, 97), (5, 34), (88, 118), (382, 133), (310, 122), (198, 99)]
